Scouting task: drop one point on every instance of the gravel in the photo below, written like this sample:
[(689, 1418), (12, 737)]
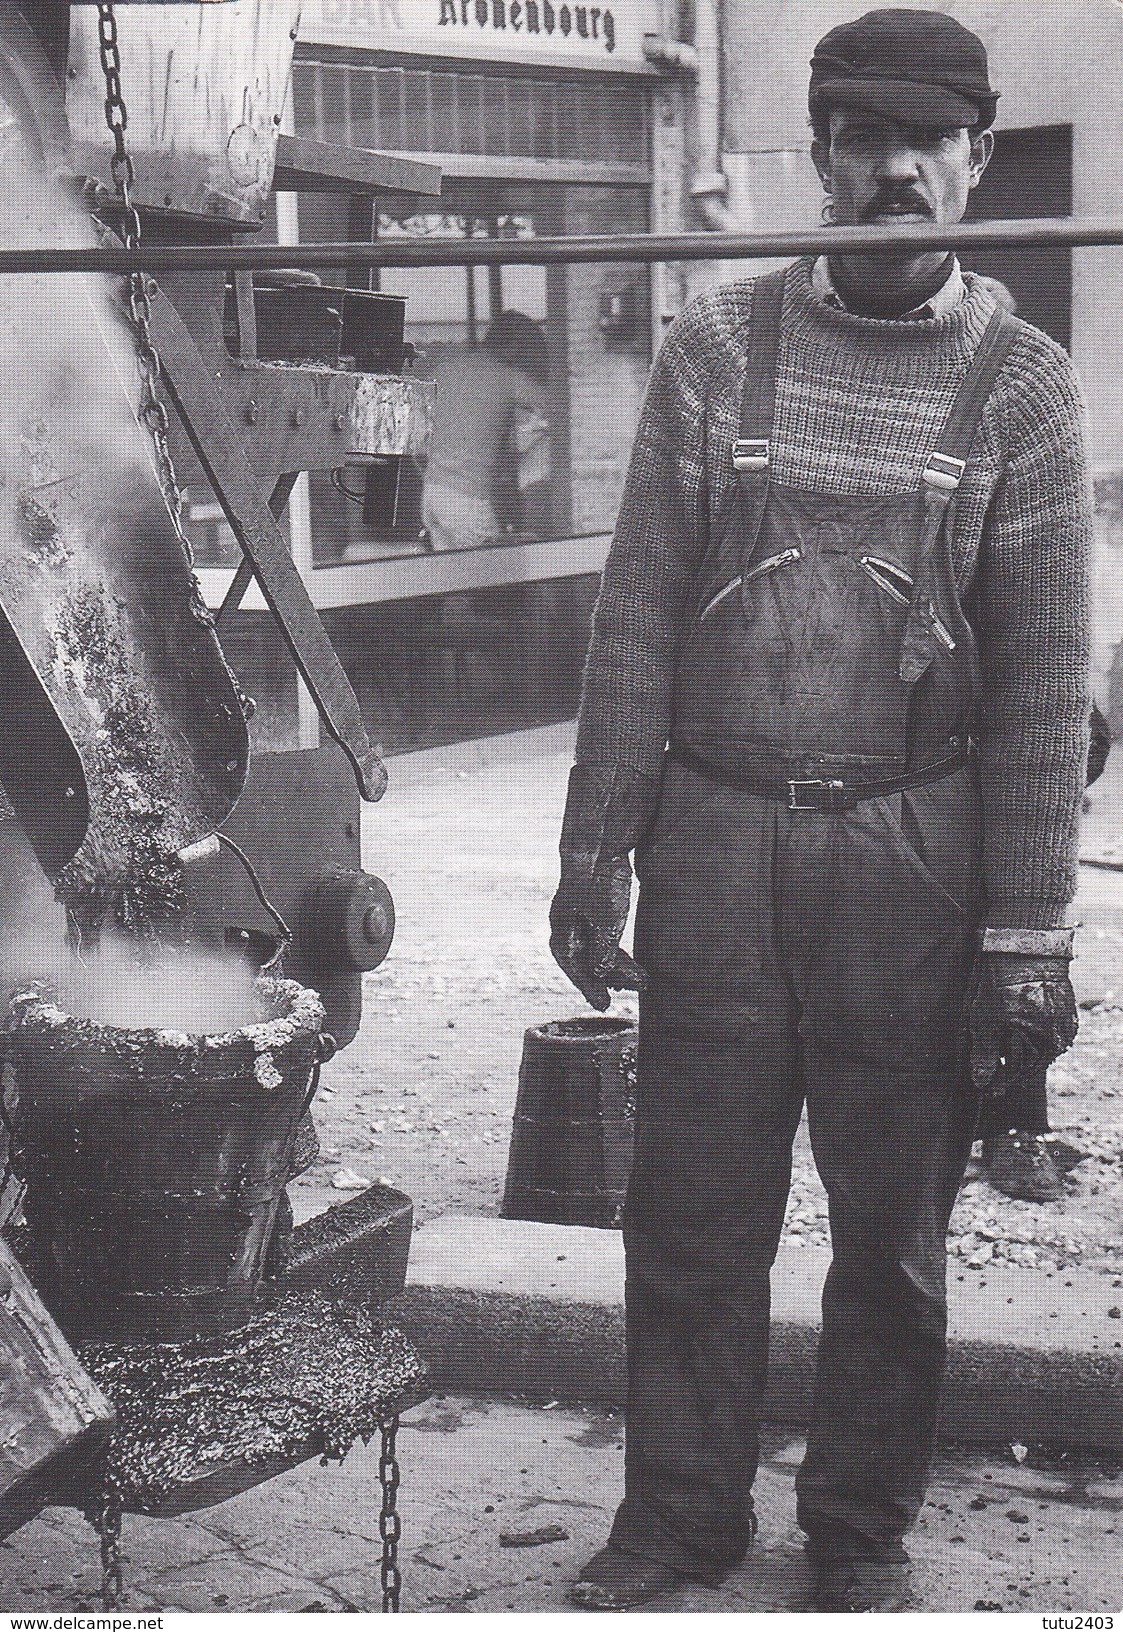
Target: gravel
[(438, 1122), (426, 1094)]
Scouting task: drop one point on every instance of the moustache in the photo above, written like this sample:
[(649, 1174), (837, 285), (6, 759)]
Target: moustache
[(901, 199)]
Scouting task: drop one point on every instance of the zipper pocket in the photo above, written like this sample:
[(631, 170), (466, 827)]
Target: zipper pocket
[(943, 633), (773, 561), (711, 605), (780, 560), (894, 580)]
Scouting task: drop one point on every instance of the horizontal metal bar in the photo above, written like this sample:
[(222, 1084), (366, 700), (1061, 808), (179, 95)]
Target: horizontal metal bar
[(639, 247), (345, 584)]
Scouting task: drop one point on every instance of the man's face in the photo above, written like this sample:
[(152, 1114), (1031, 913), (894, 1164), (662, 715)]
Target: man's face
[(879, 170)]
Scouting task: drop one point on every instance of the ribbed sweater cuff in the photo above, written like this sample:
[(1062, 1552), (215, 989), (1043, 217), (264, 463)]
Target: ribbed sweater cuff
[(1041, 914)]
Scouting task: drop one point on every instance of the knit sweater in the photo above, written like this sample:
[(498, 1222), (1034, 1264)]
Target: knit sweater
[(860, 403)]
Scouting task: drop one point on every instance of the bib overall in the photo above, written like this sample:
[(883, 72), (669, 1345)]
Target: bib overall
[(809, 898)]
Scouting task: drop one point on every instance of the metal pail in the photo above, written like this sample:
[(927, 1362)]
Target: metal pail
[(154, 1161)]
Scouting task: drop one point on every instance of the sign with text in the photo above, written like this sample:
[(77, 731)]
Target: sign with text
[(561, 33)]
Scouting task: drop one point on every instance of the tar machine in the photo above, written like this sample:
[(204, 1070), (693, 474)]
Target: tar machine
[(186, 923)]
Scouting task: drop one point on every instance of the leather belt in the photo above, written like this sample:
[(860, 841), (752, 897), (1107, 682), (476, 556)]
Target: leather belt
[(828, 795)]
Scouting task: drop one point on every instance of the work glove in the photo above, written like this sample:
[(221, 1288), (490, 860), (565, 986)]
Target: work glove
[(1022, 1015), (607, 810)]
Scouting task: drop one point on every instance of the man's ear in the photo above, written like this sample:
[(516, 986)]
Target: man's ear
[(981, 149), (821, 159)]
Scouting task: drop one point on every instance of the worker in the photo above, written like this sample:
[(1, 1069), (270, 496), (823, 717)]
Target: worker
[(490, 402), (836, 701)]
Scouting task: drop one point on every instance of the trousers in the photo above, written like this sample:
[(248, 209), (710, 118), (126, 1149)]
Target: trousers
[(793, 957)]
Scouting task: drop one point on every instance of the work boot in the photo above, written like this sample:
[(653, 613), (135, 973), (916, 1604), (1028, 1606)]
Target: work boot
[(1020, 1165), (861, 1586), (613, 1579)]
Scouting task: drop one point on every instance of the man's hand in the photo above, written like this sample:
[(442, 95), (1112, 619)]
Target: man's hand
[(1022, 1016), (606, 812), (587, 919)]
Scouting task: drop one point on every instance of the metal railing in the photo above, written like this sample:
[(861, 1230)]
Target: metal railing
[(636, 247)]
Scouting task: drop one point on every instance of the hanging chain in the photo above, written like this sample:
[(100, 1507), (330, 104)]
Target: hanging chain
[(11, 1177), (389, 1520), (152, 410), (109, 1530)]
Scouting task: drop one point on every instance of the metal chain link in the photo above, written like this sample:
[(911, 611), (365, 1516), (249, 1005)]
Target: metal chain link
[(109, 1530), (389, 1520), (152, 410), (11, 1177)]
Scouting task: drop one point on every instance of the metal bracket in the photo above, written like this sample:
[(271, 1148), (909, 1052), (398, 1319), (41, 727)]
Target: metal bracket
[(751, 454), (944, 471), (217, 444)]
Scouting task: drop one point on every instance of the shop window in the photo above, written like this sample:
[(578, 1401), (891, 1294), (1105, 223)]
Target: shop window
[(540, 371), (542, 458), (539, 374)]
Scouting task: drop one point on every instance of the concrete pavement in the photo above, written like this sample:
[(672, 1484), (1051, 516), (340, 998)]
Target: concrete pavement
[(503, 1498), (537, 1309), (525, 1308), (994, 1533)]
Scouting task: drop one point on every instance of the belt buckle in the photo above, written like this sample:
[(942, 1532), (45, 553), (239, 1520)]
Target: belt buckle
[(830, 787)]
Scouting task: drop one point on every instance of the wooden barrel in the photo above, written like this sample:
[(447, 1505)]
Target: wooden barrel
[(571, 1143)]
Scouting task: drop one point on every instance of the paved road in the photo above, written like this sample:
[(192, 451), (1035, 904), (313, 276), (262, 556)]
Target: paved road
[(467, 839), (994, 1532)]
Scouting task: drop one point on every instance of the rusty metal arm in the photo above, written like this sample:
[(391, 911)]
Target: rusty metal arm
[(637, 247), (216, 441), (243, 576)]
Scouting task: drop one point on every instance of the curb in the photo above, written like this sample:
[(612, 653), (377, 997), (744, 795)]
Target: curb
[(505, 1306)]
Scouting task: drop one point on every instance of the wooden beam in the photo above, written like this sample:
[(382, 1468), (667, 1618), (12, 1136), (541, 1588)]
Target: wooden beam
[(303, 166)]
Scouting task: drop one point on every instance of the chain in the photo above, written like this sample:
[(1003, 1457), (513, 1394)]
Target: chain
[(109, 1530), (152, 410), (389, 1520), (11, 1179)]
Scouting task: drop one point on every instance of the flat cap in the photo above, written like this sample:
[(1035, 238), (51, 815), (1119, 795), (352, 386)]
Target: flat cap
[(921, 67)]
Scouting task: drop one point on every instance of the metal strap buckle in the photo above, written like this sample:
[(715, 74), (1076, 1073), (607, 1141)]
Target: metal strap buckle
[(830, 794), (751, 453), (944, 471)]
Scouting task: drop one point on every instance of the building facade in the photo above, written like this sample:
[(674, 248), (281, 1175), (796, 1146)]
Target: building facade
[(468, 613), (464, 611)]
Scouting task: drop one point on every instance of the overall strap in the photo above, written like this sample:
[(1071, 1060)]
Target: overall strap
[(751, 451), (931, 609), (949, 460), (750, 454)]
